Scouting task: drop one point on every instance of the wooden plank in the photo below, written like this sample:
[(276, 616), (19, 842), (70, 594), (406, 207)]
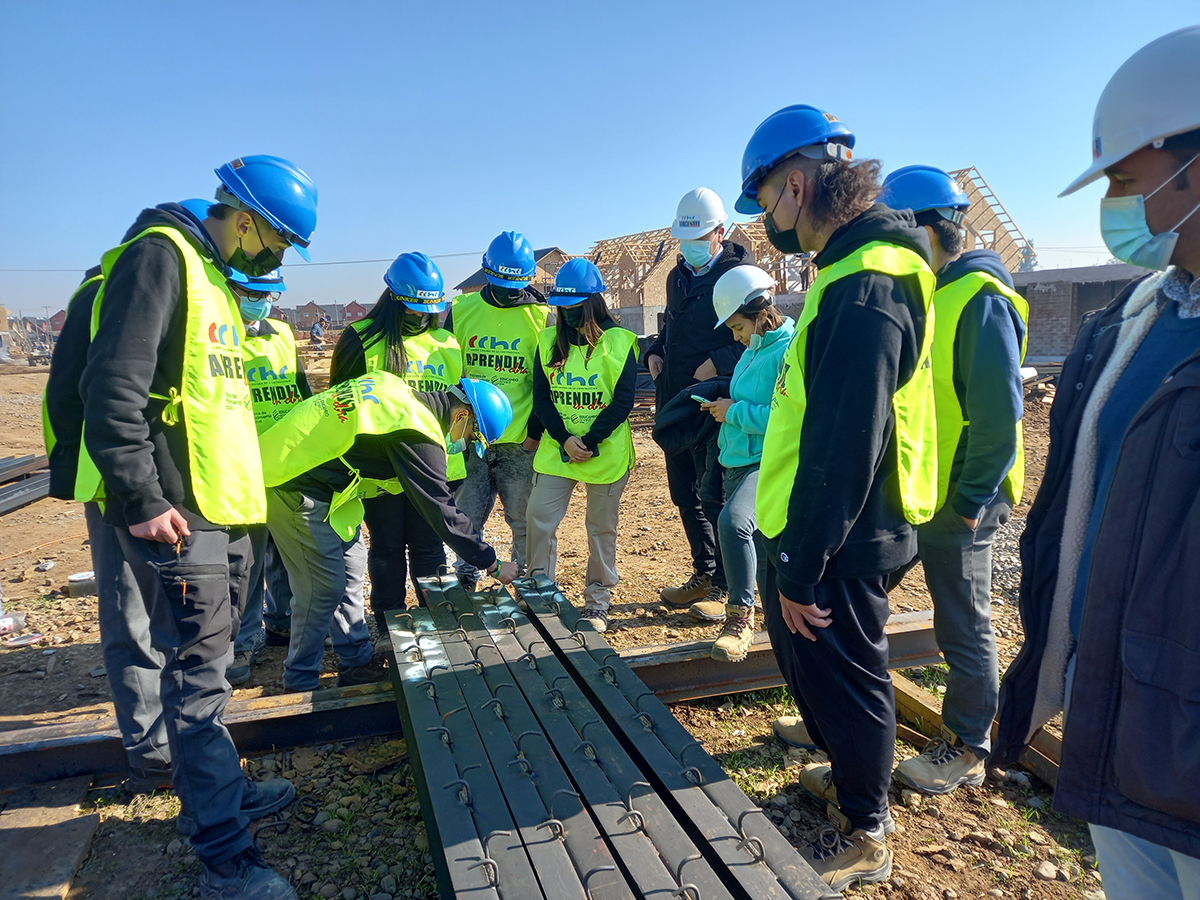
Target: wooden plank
[(44, 840)]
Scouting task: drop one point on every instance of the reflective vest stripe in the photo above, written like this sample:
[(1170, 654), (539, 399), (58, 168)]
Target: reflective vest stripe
[(949, 303)]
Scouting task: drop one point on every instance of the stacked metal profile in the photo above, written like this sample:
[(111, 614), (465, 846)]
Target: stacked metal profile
[(545, 768)]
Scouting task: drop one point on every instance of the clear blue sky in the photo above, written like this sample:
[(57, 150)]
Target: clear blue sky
[(433, 126)]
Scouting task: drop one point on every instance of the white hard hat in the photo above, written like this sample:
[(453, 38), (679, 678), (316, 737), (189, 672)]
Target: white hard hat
[(1154, 95), (699, 212), (735, 287)]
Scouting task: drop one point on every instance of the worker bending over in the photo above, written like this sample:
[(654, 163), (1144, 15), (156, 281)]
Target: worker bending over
[(584, 383), (400, 335), (363, 436)]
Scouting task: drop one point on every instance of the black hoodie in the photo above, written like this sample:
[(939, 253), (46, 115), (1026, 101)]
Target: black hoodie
[(844, 517), (139, 349), (689, 334)]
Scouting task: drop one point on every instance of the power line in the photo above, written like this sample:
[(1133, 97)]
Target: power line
[(339, 262)]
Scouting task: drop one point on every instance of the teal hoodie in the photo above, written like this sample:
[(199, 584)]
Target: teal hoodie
[(753, 383)]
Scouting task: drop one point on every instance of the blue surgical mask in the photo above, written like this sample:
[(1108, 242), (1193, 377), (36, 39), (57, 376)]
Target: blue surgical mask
[(253, 310), (456, 446), (755, 341), (696, 254), (1128, 237)]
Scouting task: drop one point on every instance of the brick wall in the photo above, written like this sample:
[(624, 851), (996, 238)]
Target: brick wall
[(1052, 322)]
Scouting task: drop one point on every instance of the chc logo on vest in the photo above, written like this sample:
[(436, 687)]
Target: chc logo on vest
[(222, 365), (262, 373), (499, 362), (576, 379), (420, 368), (344, 400)]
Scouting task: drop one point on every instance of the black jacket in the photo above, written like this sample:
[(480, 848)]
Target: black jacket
[(681, 424), (139, 349), (64, 406), (844, 517), (617, 411), (420, 466), (689, 336), (987, 380), (528, 296), (1129, 757)]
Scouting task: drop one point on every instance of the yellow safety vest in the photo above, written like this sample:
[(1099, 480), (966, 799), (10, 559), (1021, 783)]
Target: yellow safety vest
[(434, 364), (580, 390), (949, 303), (325, 426), (912, 404), (272, 373), (48, 437), (213, 398), (498, 346)]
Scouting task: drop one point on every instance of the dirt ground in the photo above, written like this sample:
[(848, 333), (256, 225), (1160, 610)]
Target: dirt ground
[(978, 842)]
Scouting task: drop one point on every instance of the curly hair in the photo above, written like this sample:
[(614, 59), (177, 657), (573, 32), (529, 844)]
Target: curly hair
[(843, 190)]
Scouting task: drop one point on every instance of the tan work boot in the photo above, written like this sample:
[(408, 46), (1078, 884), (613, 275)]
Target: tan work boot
[(712, 607), (792, 731), (944, 764), (816, 780), (735, 639), (695, 588), (843, 856)]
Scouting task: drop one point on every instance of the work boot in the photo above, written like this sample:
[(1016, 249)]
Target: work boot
[(261, 798), (147, 781), (280, 638), (245, 877), (843, 855), (239, 670), (367, 673), (816, 780), (597, 618), (468, 582), (695, 588), (792, 731), (944, 764), (735, 639), (712, 607)]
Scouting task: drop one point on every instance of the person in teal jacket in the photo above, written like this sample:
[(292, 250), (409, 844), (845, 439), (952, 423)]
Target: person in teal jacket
[(742, 299)]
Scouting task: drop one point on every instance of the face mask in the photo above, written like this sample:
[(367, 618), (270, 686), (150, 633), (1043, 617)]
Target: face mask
[(253, 310), (1128, 237), (696, 254), (505, 296), (414, 324), (755, 341), (456, 446), (266, 260), (573, 316), (783, 241)]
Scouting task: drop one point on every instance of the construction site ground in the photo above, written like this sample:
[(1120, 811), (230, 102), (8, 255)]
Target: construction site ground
[(998, 840)]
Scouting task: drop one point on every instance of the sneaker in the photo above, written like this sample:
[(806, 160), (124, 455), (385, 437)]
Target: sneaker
[(383, 646), (843, 856), (468, 582), (816, 780), (367, 673), (792, 731), (733, 644), (261, 798), (239, 670), (695, 588), (278, 638), (944, 764), (597, 618), (245, 877)]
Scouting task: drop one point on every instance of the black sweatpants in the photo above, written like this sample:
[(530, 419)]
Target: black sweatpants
[(842, 685), (699, 512), (396, 529)]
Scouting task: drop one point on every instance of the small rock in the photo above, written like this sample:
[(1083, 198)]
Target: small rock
[(997, 774), (1003, 834), (383, 896), (1037, 837), (1000, 802), (1035, 802), (795, 815), (335, 845), (49, 652), (174, 847), (933, 812), (98, 672), (421, 842), (1095, 895), (1027, 894), (958, 835), (332, 825), (321, 818), (44, 566), (995, 892), (349, 894), (910, 798), (780, 801), (328, 891), (896, 882), (1020, 779), (388, 884), (1089, 860), (949, 894), (1046, 870), (309, 878)]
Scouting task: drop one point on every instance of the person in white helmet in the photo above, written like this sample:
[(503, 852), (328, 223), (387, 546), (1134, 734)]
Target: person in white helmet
[(742, 299), (1109, 561), (686, 350)]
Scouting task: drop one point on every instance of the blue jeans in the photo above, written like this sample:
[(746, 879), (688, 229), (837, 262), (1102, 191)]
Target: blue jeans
[(278, 593), (326, 575), (250, 633), (735, 530), (506, 471)]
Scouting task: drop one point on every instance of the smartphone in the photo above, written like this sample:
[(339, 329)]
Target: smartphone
[(700, 399)]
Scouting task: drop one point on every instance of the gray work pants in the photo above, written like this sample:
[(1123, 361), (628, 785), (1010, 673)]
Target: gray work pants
[(506, 471), (548, 502), (189, 593), (326, 576), (133, 664), (958, 570)]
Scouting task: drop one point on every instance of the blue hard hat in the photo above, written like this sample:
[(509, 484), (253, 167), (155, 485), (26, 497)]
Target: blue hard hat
[(492, 408), (417, 281), (921, 188), (780, 135), (272, 282), (576, 279), (279, 191), (509, 261), (197, 207)]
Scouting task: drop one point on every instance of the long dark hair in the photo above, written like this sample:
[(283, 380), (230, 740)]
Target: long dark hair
[(762, 311), (591, 329), (386, 321)]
